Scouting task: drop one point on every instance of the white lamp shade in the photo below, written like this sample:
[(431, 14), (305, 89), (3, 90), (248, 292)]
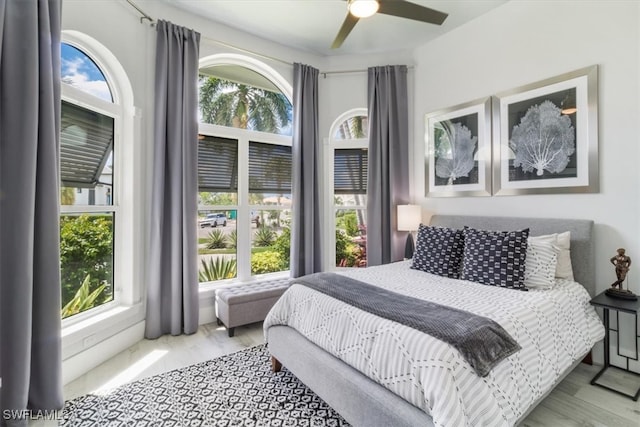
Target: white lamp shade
[(409, 217)]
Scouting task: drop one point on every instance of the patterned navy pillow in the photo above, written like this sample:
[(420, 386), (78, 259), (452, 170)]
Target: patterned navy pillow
[(495, 258), (439, 251)]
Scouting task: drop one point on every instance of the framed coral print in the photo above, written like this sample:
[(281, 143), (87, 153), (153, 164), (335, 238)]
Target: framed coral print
[(458, 152), (546, 136)]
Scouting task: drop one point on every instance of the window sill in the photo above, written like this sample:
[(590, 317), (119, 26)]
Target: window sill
[(80, 335)]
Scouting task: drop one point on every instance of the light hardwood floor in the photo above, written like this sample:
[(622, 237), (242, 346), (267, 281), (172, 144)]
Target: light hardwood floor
[(574, 402)]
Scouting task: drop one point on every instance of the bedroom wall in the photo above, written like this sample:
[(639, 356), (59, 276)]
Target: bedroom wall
[(526, 41), (523, 42)]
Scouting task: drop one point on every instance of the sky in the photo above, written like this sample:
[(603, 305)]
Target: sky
[(81, 72)]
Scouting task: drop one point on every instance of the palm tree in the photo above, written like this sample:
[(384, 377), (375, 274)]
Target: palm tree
[(353, 128), (227, 103)]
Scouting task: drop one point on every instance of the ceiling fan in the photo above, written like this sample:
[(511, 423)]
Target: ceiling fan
[(401, 8)]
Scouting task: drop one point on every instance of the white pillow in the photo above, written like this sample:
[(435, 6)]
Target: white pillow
[(564, 270), (540, 265)]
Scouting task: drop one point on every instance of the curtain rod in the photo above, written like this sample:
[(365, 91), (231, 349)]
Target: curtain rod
[(272, 58), (141, 12), (325, 73), (209, 40), (261, 55)]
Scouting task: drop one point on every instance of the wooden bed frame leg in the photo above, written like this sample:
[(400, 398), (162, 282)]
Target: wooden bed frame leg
[(276, 366)]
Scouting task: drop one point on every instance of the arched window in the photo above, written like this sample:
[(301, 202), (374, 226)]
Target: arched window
[(95, 92), (81, 72), (346, 159), (353, 127), (244, 169)]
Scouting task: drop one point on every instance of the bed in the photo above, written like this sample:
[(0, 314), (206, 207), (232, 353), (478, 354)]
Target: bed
[(440, 390)]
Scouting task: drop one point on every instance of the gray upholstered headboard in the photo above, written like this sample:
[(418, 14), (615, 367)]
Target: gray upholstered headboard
[(582, 245)]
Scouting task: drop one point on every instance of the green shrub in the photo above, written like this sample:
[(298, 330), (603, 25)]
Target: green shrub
[(265, 262), (264, 237), (345, 250), (86, 249), (282, 245), (348, 222), (217, 269), (216, 240)]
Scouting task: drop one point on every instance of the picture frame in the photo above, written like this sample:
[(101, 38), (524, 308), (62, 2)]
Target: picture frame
[(564, 110), (458, 150)]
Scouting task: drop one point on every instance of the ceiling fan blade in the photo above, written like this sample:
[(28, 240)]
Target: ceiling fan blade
[(349, 22), (405, 9)]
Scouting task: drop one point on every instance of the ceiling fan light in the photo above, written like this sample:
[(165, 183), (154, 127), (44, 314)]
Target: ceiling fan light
[(363, 8)]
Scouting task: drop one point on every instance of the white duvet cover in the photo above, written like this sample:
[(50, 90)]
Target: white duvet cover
[(554, 328)]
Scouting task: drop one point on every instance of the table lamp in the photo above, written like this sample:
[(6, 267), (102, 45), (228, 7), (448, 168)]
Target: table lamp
[(409, 219)]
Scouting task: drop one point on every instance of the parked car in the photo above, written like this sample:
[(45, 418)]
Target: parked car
[(213, 220)]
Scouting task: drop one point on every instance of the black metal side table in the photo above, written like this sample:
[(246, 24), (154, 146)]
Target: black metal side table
[(618, 305)]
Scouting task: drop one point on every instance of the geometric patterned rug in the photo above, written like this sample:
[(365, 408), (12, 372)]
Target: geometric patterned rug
[(238, 389)]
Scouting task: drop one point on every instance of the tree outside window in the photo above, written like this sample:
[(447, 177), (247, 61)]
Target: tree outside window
[(226, 103)]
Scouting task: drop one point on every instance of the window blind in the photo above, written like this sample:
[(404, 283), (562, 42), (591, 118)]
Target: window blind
[(350, 171), (217, 164), (86, 141), (269, 168)]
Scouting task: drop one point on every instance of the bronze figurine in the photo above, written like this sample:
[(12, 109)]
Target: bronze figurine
[(622, 262)]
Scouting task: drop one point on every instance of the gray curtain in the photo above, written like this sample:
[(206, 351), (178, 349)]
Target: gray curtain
[(388, 179), (30, 353), (306, 249), (172, 294)]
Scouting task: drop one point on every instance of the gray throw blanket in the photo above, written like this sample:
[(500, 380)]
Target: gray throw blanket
[(481, 341)]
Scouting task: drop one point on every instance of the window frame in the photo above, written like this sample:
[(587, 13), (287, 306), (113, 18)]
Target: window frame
[(332, 144), (84, 330), (243, 209), (68, 94)]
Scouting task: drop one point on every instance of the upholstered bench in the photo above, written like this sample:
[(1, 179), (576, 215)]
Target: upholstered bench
[(239, 305)]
